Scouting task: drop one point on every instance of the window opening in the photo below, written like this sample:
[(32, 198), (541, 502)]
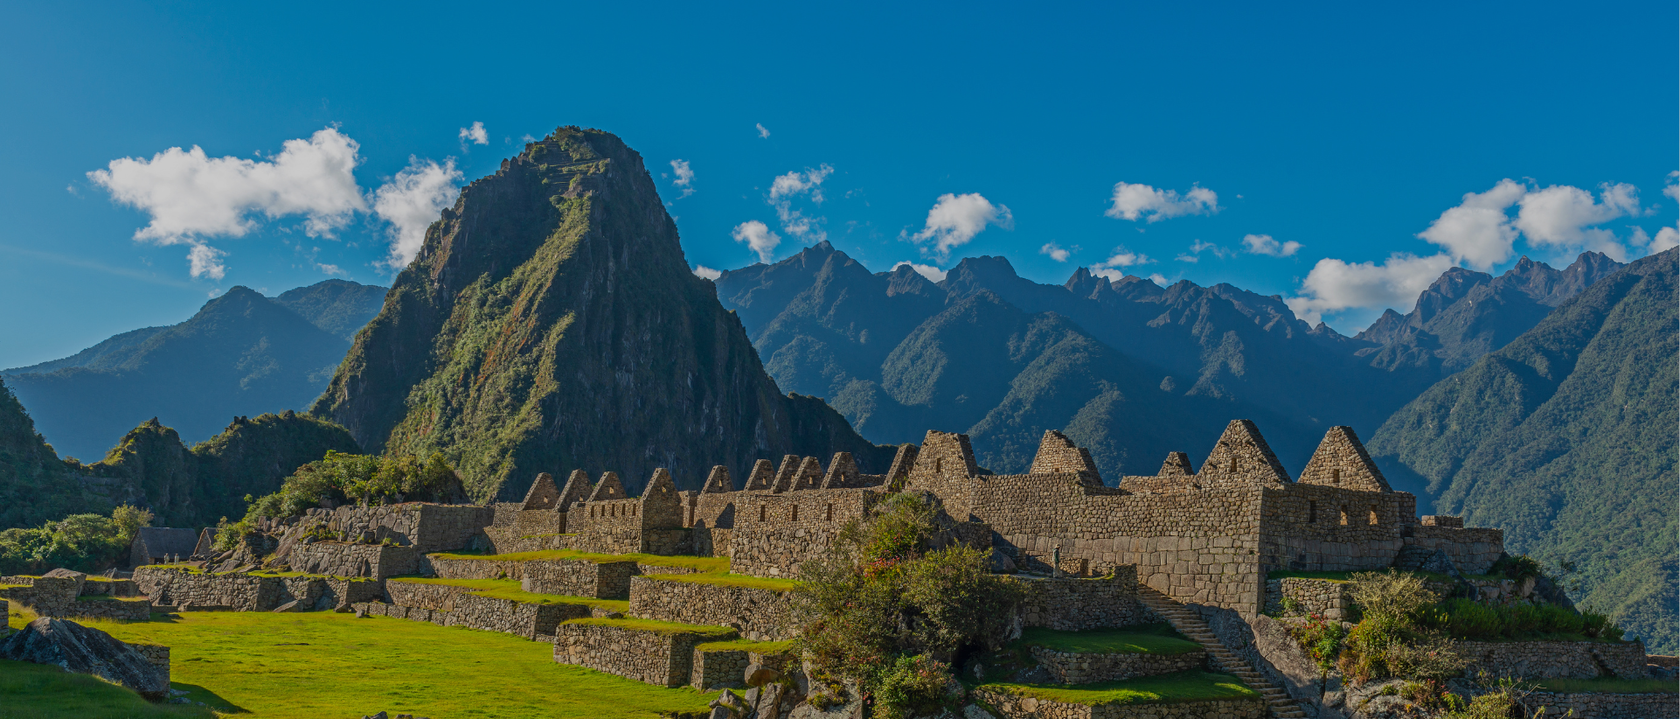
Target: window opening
[(795, 515), (1336, 476), (1233, 464), (1344, 515), (1312, 512), (829, 515), (761, 512), (1373, 514)]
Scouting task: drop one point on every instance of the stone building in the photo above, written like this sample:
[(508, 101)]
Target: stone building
[(153, 545)]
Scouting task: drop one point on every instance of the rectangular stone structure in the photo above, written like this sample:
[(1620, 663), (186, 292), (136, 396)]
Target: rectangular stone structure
[(659, 658), (1073, 604), (758, 614)]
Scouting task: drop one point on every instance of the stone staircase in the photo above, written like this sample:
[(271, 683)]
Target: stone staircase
[(1188, 623)]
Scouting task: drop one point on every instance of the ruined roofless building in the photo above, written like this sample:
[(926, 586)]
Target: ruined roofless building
[(1206, 536)]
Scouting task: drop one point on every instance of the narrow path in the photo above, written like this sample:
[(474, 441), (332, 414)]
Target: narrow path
[(1188, 623)]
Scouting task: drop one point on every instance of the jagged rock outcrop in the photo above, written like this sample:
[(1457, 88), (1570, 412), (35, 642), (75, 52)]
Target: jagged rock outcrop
[(84, 650), (551, 322)]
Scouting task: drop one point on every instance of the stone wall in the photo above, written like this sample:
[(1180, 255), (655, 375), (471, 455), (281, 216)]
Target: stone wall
[(758, 614), (127, 610), (1325, 528), (237, 591), (775, 533), (1011, 706), (1605, 705), (728, 667), (1071, 604), (661, 659), (1071, 668), (46, 596), (1555, 660), (100, 587), (354, 560), (1324, 597), (423, 526), (157, 656), (1473, 549), (579, 578), (459, 607)]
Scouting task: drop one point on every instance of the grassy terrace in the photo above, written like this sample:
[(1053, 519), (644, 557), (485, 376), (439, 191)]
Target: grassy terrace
[(1153, 639), (258, 573), (729, 580), (698, 564), (509, 589), (260, 665), (1342, 577), (659, 627), (1191, 686), (743, 645)]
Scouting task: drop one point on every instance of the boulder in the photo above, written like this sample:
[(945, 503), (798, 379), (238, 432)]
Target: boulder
[(758, 675), (80, 578), (76, 648)]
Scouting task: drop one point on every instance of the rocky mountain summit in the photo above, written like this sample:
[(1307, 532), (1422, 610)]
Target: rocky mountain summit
[(551, 322)]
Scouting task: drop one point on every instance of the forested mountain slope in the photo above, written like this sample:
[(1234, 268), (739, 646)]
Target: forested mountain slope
[(1565, 438), (551, 323)]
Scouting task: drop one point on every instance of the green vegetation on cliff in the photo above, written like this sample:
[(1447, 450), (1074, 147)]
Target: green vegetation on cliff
[(551, 323), (83, 542), (1566, 440)]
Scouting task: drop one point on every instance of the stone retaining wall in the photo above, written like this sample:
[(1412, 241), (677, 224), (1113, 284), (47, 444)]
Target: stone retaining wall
[(421, 526), (353, 560), (182, 587), (1016, 707), (1330, 599), (1072, 604), (46, 596), (655, 658), (728, 667), (1605, 705), (1071, 668), (459, 607), (758, 614), (579, 578), (109, 587), (1555, 660), (157, 655), (127, 610)]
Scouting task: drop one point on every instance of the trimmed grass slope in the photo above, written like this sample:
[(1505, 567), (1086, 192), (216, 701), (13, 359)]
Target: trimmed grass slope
[(510, 589)]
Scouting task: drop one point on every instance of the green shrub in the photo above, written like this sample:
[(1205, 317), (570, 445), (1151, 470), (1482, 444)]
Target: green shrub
[(1322, 639), (83, 542), (360, 478), (912, 686), (1518, 568)]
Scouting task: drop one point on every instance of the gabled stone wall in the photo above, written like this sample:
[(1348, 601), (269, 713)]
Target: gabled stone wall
[(775, 533), (1328, 528)]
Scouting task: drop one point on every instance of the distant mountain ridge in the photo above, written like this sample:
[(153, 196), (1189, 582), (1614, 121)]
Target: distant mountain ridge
[(1565, 438), (242, 354), (897, 353), (551, 323)]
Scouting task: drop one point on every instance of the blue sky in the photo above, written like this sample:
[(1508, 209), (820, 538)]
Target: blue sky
[(1346, 129)]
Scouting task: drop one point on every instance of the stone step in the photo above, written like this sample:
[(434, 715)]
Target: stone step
[(1278, 701)]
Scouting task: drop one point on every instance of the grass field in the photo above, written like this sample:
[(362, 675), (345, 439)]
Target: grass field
[(655, 625), (1155, 639), (324, 665), (1188, 686), (745, 645), (38, 691), (510, 589), (730, 580)]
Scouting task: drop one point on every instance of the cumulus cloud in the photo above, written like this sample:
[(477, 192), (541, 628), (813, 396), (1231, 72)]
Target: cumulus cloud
[(684, 176), (411, 202), (1133, 202), (1055, 252), (1110, 268), (785, 188), (956, 219), (475, 135), (327, 269), (934, 274), (705, 272), (192, 197), (758, 237), (1265, 245), (1197, 247), (1672, 189), (1334, 285), (1159, 279), (1478, 232), (1563, 216), (1667, 238), (761, 131)]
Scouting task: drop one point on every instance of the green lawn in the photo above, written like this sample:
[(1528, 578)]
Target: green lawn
[(509, 589), (38, 691), (322, 665), (1619, 686), (1188, 686), (1153, 639), (661, 627), (698, 564), (730, 580)]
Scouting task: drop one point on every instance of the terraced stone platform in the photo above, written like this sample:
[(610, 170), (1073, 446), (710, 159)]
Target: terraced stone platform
[(655, 652)]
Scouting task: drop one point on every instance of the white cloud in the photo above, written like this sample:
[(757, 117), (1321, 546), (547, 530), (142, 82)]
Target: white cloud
[(705, 272), (1672, 189), (1197, 247), (786, 187), (1056, 253), (1563, 216), (758, 237), (475, 135), (411, 202), (684, 176), (330, 269), (1132, 202), (761, 131), (1265, 245), (191, 196), (956, 219), (1667, 238), (1159, 279), (1477, 232), (1334, 285), (1109, 269), (934, 274), (206, 261)]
